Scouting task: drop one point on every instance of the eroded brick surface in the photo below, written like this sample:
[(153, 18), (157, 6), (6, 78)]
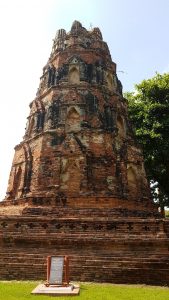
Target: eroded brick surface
[(77, 184), (78, 139)]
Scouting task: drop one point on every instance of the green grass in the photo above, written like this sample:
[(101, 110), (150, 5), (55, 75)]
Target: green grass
[(14, 290)]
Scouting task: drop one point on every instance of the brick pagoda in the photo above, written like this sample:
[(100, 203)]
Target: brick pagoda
[(77, 185)]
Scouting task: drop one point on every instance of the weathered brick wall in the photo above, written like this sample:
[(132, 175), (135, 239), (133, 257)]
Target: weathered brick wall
[(78, 139), (113, 250)]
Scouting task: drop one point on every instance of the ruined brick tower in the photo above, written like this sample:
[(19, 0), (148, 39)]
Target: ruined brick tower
[(78, 146), (77, 184)]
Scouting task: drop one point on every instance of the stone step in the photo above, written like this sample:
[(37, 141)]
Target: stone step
[(91, 260), (134, 256), (71, 212), (114, 274)]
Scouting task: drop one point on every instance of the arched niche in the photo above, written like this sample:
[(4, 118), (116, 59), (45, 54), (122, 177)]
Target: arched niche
[(70, 177), (109, 81), (74, 76), (132, 181), (121, 127), (131, 176), (73, 120)]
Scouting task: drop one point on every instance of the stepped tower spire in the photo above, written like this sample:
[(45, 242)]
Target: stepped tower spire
[(78, 141), (77, 185)]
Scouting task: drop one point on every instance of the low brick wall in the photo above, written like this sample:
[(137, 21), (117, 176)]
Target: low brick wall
[(119, 250)]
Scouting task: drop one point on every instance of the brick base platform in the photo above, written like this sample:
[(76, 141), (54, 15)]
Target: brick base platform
[(104, 249)]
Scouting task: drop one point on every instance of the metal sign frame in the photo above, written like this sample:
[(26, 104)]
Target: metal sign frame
[(51, 267)]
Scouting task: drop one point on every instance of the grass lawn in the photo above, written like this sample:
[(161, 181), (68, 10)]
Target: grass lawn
[(14, 290)]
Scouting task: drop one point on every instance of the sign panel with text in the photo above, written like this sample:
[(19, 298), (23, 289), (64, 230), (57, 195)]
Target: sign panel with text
[(57, 270)]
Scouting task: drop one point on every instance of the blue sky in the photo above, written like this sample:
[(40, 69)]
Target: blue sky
[(136, 33)]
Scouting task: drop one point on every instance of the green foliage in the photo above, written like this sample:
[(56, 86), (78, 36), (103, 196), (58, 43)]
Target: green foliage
[(167, 213), (149, 113), (22, 291)]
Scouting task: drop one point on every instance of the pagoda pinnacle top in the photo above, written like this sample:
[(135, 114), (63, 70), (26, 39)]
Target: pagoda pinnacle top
[(76, 27), (78, 35)]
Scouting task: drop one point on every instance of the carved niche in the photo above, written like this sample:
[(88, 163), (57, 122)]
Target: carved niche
[(101, 175), (74, 77), (132, 181), (79, 70), (75, 66), (121, 127), (73, 119), (70, 178)]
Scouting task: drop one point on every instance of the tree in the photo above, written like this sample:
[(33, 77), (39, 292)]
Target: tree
[(149, 113)]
